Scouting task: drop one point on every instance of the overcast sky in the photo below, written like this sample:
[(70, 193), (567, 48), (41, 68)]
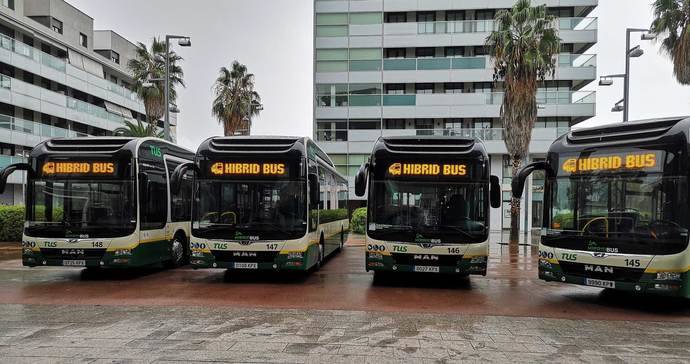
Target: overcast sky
[(274, 39)]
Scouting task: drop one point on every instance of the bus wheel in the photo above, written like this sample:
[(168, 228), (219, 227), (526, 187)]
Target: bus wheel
[(319, 262), (177, 252)]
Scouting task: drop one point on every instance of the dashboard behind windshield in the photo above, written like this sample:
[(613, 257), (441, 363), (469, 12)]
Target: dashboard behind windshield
[(645, 213), (428, 212)]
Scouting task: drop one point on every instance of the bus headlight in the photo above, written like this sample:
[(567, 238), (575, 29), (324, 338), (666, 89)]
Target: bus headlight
[(668, 276), (295, 255), (197, 254), (478, 260), (28, 251), (123, 252)]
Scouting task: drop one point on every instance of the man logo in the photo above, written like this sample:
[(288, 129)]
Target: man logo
[(425, 257), (599, 255), (245, 242), (244, 254), (72, 241), (395, 169), (598, 269)]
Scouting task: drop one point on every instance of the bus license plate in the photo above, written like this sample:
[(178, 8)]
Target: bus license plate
[(246, 265), (600, 283), (74, 263), (425, 269)]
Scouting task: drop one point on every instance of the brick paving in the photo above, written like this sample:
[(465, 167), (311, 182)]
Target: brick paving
[(107, 334)]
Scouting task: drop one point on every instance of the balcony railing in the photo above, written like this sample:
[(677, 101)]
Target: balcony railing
[(485, 134), (6, 160), (482, 26), (459, 99), (94, 110), (57, 64), (35, 128)]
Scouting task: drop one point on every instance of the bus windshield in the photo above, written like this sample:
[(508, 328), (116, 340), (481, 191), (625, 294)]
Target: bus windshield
[(251, 210), (643, 214), (64, 208), (428, 212)]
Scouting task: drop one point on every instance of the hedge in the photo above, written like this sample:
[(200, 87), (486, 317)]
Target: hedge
[(332, 215), (11, 223), (359, 220)]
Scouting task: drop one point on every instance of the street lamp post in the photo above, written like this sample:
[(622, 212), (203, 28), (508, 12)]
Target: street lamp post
[(184, 41), (629, 53)]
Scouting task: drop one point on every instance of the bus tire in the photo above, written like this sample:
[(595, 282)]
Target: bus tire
[(322, 252), (178, 253), (342, 239)]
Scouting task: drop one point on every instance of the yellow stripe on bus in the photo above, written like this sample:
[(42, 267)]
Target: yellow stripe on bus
[(679, 270)]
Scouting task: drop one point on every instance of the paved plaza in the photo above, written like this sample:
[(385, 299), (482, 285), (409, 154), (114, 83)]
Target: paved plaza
[(105, 334)]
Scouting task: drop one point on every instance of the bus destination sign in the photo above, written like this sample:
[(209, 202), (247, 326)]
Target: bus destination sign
[(78, 168), (648, 161), (399, 169), (248, 169)]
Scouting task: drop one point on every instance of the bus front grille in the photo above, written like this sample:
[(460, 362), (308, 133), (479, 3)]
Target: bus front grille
[(426, 259), (72, 254), (244, 256), (604, 272)]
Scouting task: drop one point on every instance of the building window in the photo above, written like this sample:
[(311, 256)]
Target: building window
[(454, 87), (364, 125), (115, 57), (395, 89), (455, 51), (455, 15), (425, 52), (507, 169), (424, 88), (481, 123), (8, 4), (424, 124), (397, 53), (83, 40), (394, 124), (396, 17), (452, 124), (56, 25), (426, 16)]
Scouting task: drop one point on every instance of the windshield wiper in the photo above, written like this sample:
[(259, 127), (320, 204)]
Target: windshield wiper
[(254, 225)]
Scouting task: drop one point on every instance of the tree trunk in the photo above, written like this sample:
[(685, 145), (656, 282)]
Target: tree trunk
[(515, 208)]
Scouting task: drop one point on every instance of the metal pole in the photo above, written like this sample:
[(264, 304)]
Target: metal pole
[(166, 122), (626, 85)]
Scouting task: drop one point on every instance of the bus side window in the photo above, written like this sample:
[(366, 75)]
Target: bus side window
[(153, 197)]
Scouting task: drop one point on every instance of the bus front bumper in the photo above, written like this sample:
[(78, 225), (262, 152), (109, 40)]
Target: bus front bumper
[(255, 260), (673, 285), (88, 257), (451, 264)]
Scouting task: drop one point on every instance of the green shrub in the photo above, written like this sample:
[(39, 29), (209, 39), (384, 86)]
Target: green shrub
[(332, 215), (359, 220), (11, 223)]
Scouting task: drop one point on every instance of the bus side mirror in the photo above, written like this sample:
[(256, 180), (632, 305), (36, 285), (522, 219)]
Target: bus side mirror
[(518, 184), (495, 192), (178, 176), (314, 191), (7, 171), (361, 180)]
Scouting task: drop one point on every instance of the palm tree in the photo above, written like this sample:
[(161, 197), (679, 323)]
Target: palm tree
[(138, 130), (672, 20), (524, 47), (235, 102), (149, 64)]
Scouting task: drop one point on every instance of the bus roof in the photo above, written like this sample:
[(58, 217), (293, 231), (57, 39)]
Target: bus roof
[(258, 144), (425, 145), (104, 145), (665, 133)]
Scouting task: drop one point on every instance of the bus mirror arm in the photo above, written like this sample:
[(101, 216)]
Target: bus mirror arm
[(495, 192), (178, 175), (7, 171), (518, 183), (361, 180)]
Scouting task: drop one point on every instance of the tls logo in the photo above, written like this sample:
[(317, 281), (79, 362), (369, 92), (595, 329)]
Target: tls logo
[(217, 168)]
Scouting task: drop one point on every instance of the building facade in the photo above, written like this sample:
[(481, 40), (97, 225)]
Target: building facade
[(419, 67), (59, 78)]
